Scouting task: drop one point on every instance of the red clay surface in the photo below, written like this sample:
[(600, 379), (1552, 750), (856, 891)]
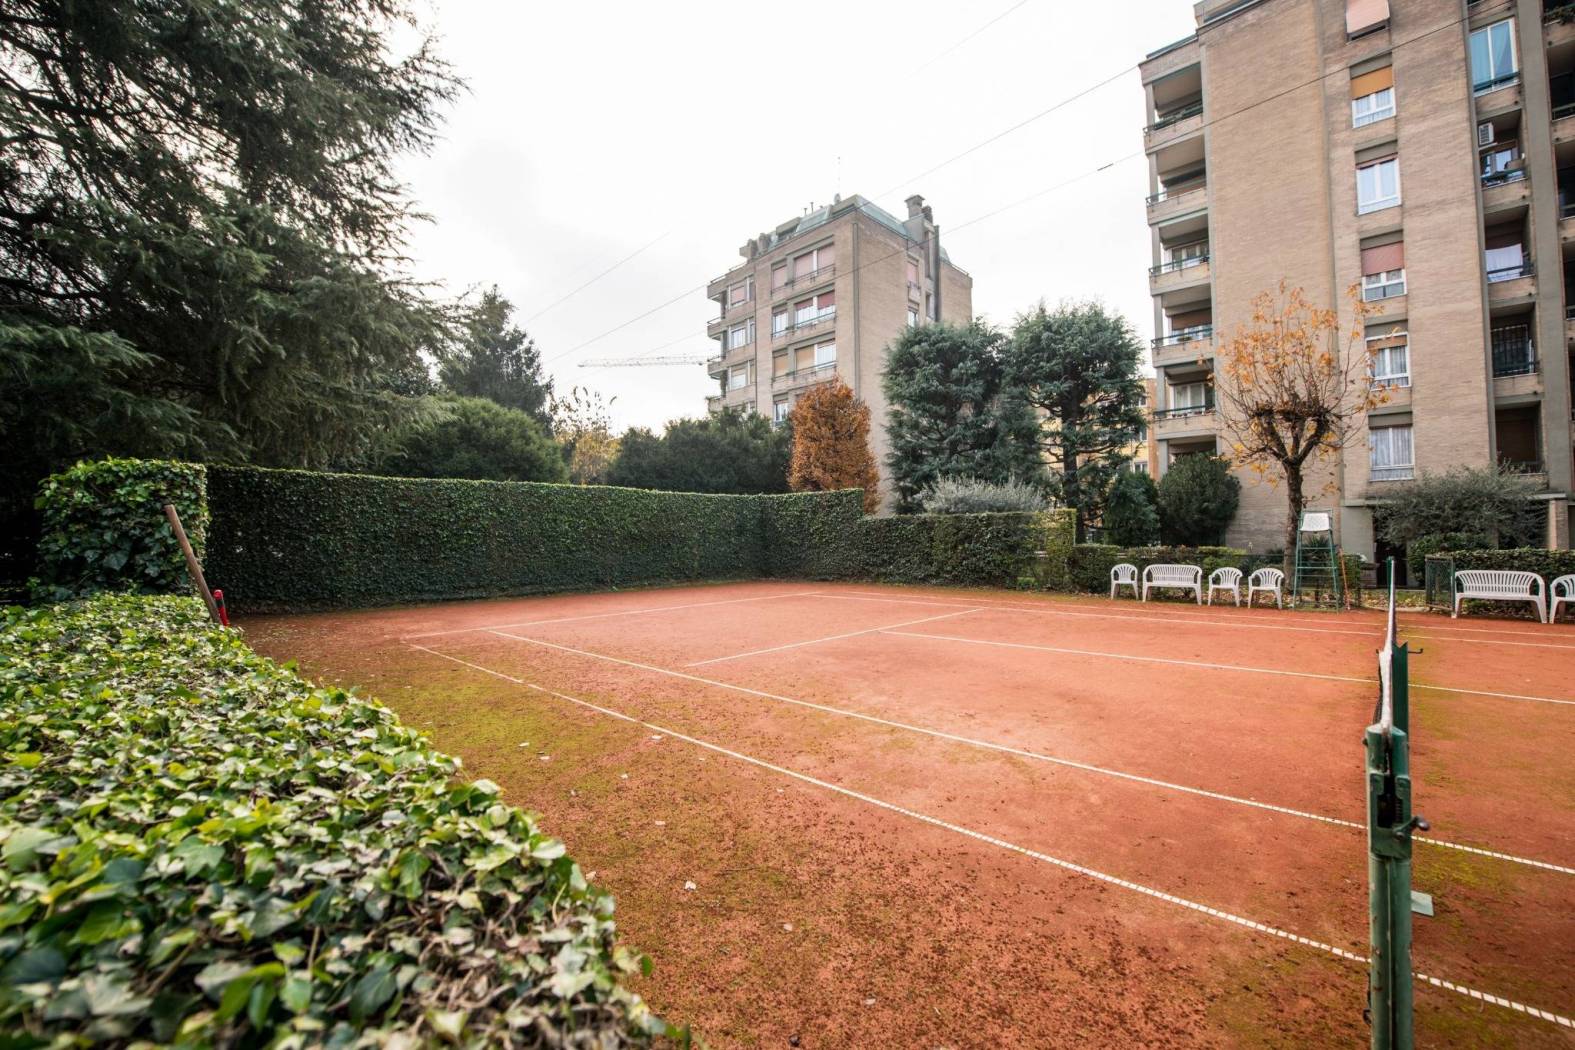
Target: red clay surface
[(996, 754)]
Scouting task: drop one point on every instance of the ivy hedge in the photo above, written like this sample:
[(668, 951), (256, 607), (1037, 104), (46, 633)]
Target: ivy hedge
[(962, 549), (1550, 565), (200, 848), (104, 527), (810, 534)]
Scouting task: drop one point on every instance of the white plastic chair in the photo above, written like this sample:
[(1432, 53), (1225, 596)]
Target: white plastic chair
[(1226, 579), (1123, 575), (1562, 591), (1269, 581)]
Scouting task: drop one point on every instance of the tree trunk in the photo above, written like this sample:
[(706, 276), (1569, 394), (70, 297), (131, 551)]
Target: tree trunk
[(1073, 496), (1296, 500)]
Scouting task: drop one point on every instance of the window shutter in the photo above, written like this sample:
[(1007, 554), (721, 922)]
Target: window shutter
[(1191, 319), (826, 299), (1383, 258), (1388, 339), (1362, 16), (828, 256), (1377, 80)]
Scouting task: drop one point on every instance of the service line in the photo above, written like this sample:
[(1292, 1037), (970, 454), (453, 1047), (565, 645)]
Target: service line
[(829, 638), (1007, 749), (600, 616), (1032, 854)]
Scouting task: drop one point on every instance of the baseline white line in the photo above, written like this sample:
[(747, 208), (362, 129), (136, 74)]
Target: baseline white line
[(599, 616), (1032, 854), (828, 638), (1046, 609), (1207, 665), (1019, 752)]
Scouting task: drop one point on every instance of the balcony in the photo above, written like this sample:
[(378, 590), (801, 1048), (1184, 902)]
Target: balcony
[(1177, 202), (1558, 26), (1510, 285), (1564, 123), (1173, 126), (714, 368), (1179, 274), (1184, 347), (1194, 421), (713, 403), (802, 377), (738, 397), (824, 319), (803, 281), (736, 356), (1499, 95), (1504, 190)]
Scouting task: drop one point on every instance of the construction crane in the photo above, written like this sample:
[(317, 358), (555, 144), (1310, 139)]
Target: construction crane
[(642, 362)]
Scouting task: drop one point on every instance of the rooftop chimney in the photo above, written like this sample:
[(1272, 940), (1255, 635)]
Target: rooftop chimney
[(915, 206)]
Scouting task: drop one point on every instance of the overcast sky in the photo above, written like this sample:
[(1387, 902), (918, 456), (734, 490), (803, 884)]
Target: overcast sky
[(591, 130)]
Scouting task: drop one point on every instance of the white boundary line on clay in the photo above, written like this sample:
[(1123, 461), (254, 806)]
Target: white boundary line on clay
[(1210, 666), (1048, 609), (601, 616), (1019, 752), (828, 638), (979, 836)]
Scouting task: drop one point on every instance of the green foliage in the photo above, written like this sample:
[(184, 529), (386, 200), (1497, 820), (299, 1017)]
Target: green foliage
[(736, 452), (1090, 563), (811, 534), (200, 848), (951, 495), (494, 359), (1494, 504), (982, 550), (1131, 516), (472, 437), (1417, 550), (1198, 497), (951, 413), (104, 527), (1079, 366), (1550, 565), (1058, 537)]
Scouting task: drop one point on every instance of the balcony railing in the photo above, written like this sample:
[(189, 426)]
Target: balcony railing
[(824, 317), (1563, 109), (1562, 13), (1176, 116), (804, 375), (1186, 335), (1484, 86), (1179, 264), (1403, 472), (1518, 365), (1502, 178), (1172, 192), (825, 272), (1188, 410), (1509, 273)]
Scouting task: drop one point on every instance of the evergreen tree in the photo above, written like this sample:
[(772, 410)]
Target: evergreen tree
[(1078, 365), (831, 444), (1198, 497), (950, 412), (496, 360), (1131, 510), (472, 437), (739, 452)]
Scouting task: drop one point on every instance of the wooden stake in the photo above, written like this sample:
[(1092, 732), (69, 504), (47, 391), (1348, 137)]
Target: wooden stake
[(193, 566)]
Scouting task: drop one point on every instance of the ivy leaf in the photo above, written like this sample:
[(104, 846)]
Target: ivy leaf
[(371, 992)]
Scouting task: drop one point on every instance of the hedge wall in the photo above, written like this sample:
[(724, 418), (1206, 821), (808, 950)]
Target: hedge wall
[(104, 527), (811, 534), (1550, 565), (202, 849), (287, 538), (1089, 564), (963, 549)]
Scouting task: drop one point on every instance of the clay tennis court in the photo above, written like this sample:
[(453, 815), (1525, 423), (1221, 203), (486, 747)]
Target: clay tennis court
[(876, 816)]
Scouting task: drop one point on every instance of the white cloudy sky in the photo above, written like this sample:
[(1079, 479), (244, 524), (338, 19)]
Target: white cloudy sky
[(591, 129)]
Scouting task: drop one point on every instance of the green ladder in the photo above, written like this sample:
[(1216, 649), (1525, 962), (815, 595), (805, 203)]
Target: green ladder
[(1317, 563)]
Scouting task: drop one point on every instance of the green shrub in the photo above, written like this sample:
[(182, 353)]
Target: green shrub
[(202, 848), (959, 549), (811, 534), (1550, 565), (472, 437), (1492, 503), (1058, 537), (1417, 550), (972, 496), (1090, 563), (1131, 517), (1198, 497), (104, 527)]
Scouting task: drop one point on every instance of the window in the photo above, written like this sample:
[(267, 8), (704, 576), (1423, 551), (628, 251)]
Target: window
[(1372, 97), (1501, 163), (779, 276), (821, 258), (738, 377), (1514, 354), (1391, 359), (780, 407), (1184, 253), (1140, 466), (1493, 56), (1378, 185), (741, 335), (1385, 285), (816, 307), (1189, 397), (913, 317), (779, 363), (825, 354), (741, 292), (1504, 254), (1391, 453), (913, 278), (779, 321)]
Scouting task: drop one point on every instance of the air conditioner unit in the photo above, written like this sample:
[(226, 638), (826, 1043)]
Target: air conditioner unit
[(1485, 134)]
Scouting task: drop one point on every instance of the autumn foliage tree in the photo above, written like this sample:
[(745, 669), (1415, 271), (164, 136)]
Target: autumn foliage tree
[(1291, 398), (831, 443)]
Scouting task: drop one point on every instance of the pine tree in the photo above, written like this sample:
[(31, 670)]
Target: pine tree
[(496, 360)]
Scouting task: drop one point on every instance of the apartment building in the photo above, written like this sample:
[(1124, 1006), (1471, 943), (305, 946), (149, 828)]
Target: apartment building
[(1423, 151), (823, 295)]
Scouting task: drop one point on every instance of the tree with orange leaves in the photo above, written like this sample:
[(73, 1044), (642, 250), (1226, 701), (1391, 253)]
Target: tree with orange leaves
[(1290, 396), (831, 443)]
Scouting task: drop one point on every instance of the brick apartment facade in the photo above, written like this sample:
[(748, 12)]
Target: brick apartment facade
[(1430, 157), (824, 295)]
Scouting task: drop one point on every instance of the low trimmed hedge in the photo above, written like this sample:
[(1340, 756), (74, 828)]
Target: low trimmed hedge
[(198, 847), (960, 549), (1089, 564), (1550, 565), (104, 527)]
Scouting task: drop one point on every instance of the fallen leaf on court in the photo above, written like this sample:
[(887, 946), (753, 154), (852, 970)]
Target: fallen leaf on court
[(661, 823), (787, 927), (690, 886)]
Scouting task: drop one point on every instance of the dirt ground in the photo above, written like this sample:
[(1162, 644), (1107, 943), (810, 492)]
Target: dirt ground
[(856, 816)]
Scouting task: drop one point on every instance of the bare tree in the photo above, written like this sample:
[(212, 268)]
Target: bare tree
[(1290, 396)]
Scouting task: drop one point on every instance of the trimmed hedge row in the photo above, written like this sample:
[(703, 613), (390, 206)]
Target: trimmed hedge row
[(104, 527), (1550, 565), (199, 848), (285, 538), (1090, 563), (961, 549), (809, 534)]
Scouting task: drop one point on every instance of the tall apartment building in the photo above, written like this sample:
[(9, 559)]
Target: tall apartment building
[(1422, 150), (823, 295)]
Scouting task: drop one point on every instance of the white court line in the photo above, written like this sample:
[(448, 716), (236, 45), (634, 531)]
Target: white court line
[(1038, 756), (1207, 665), (599, 616), (1047, 609), (979, 836), (828, 638)]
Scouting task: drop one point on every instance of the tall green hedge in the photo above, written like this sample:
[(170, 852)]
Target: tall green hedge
[(962, 549), (104, 527), (811, 534), (198, 848)]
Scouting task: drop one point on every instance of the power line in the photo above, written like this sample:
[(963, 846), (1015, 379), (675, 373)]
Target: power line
[(1107, 165), (970, 36), (569, 295)]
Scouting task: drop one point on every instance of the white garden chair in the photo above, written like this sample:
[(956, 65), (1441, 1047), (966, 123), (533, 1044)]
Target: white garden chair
[(1228, 580), (1562, 591), (1269, 581), (1123, 575)]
